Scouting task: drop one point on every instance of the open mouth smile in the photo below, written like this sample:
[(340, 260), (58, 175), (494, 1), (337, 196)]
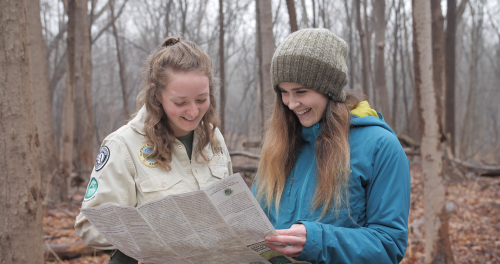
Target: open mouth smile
[(303, 111)]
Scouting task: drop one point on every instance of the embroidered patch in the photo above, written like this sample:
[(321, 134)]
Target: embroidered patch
[(102, 158), (144, 152), (91, 188)]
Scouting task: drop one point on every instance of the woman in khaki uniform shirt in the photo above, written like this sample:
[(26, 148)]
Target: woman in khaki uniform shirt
[(171, 146)]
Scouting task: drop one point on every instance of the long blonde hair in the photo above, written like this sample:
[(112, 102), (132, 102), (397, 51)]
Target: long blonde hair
[(283, 141), (173, 56)]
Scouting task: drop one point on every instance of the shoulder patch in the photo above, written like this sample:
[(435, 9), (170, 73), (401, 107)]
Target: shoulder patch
[(102, 158), (91, 188), (144, 152)]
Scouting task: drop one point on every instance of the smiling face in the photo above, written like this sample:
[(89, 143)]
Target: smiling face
[(185, 101), (308, 104)]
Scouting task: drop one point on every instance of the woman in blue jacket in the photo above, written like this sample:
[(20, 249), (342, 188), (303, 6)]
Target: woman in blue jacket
[(333, 175)]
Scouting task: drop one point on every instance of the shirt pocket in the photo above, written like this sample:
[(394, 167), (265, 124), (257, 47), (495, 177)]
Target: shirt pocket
[(160, 185), (218, 171)]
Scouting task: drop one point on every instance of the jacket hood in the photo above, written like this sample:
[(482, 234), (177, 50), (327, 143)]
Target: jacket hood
[(362, 115)]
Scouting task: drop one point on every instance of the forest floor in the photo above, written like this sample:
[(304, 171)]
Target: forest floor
[(473, 206)]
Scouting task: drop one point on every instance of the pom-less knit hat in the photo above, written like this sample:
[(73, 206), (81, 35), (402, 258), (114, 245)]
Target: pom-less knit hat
[(315, 58)]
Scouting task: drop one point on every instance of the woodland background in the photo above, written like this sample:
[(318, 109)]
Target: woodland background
[(70, 73)]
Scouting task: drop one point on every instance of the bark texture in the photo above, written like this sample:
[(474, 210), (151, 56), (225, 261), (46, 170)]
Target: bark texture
[(437, 243), (222, 68), (451, 29), (267, 50), (365, 58), (380, 80), (20, 193), (395, 50), (84, 127), (43, 102), (121, 65), (438, 57), (290, 4)]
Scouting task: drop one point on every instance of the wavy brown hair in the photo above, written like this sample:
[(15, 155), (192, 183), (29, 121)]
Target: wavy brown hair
[(174, 56), (283, 141)]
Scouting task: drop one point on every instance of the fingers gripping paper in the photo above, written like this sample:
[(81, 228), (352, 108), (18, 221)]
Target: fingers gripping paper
[(220, 224)]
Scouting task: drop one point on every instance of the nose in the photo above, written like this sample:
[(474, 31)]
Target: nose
[(292, 102), (192, 110)]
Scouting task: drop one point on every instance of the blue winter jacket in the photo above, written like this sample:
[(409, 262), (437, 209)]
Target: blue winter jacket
[(374, 229)]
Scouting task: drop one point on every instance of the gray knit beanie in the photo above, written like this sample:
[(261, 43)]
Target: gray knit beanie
[(315, 58)]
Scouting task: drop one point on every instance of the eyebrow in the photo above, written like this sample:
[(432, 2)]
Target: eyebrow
[(183, 97)]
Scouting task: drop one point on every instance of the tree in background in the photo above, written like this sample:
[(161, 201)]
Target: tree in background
[(437, 241), (121, 65), (20, 193), (267, 49), (43, 103), (364, 47), (290, 4), (84, 129), (380, 87), (451, 29), (222, 68)]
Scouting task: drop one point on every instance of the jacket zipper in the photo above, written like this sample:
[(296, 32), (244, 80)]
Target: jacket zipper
[(304, 187)]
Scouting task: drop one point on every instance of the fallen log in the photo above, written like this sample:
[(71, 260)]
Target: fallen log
[(251, 144), (483, 170), (244, 154), (69, 251), (408, 141), (411, 152), (250, 168)]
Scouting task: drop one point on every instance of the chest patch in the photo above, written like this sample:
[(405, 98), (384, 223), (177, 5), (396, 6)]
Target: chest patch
[(91, 188), (144, 152), (102, 158)]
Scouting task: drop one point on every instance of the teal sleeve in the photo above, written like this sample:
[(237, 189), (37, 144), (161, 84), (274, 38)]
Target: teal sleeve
[(383, 239)]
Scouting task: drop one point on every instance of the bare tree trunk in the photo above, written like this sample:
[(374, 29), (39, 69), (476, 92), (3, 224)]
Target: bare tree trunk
[(322, 9), (167, 18), (380, 81), (450, 73), (43, 103), (120, 62), (349, 39), (395, 98), (221, 68), (314, 25), (290, 4), (438, 57), (84, 126), (437, 242), (184, 6), (258, 58), (365, 65), (466, 133), (305, 19), (267, 49), (413, 127), (405, 96), (20, 193), (60, 183)]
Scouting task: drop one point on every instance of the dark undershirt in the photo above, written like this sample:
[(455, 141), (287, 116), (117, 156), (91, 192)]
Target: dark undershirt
[(187, 141)]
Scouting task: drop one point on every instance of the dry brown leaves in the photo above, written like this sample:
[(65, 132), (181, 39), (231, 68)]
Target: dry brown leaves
[(474, 226), (474, 210)]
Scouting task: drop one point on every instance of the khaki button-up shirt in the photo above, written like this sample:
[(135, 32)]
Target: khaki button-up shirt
[(123, 176)]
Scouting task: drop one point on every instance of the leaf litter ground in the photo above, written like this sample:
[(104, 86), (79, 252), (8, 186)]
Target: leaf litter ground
[(473, 206)]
